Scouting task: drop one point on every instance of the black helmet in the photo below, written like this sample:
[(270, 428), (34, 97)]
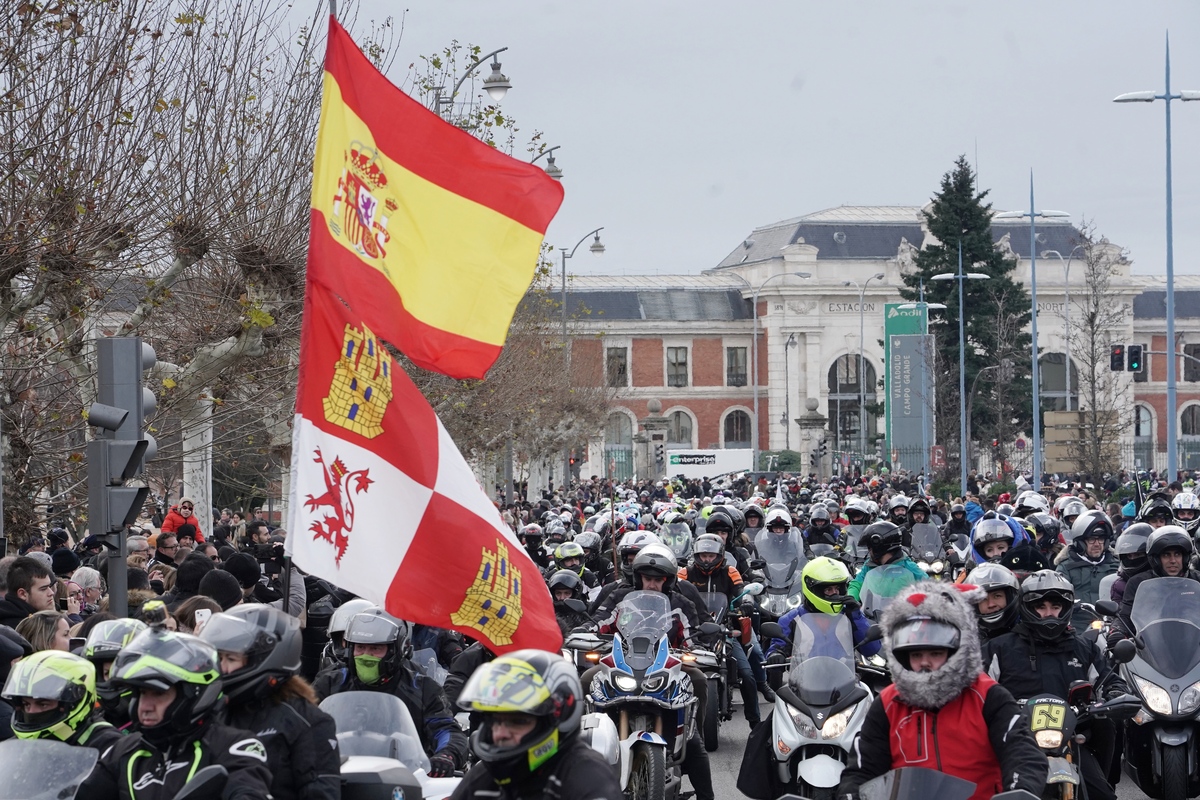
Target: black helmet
[(1090, 525), (534, 682), (268, 638), (650, 561), (566, 579), (736, 517), (162, 660), (630, 546), (1046, 584), (708, 543), (719, 520), (958, 508), (1157, 507), (991, 577), (1166, 538), (923, 633), (882, 538), (753, 510), (1131, 547), (820, 512), (920, 504), (376, 626), (1045, 529)]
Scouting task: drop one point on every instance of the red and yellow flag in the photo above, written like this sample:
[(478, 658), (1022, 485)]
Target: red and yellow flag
[(427, 232)]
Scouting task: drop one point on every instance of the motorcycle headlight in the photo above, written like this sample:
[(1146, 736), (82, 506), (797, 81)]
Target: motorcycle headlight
[(794, 601), (803, 724), (1155, 697), (1189, 701), (1049, 739), (835, 726), (937, 567), (654, 682), (626, 683), (924, 565)]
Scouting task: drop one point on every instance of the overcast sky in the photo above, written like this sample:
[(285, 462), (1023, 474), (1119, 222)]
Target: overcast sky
[(684, 125)]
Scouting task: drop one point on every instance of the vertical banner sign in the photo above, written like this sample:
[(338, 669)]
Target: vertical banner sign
[(896, 322), (908, 390)]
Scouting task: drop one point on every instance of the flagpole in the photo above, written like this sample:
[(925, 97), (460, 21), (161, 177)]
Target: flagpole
[(333, 8)]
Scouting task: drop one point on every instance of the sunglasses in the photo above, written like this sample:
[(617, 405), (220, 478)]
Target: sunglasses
[(187, 508)]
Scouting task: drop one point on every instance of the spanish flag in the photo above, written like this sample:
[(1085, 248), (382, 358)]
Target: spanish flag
[(427, 232)]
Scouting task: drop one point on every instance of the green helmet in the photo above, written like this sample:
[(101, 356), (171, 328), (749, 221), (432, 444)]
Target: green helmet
[(163, 660), (51, 675), (568, 550), (819, 574), (108, 637)]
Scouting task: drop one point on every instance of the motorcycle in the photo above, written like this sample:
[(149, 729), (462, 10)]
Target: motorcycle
[(880, 585), (821, 707), (678, 537), (1161, 752), (929, 551), (781, 559), (381, 749), (849, 544), (643, 689), (718, 664)]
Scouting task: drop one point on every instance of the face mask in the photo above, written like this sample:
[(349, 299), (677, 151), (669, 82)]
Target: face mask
[(367, 669)]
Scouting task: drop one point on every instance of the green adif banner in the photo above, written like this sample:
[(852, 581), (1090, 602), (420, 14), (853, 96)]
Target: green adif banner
[(896, 322)]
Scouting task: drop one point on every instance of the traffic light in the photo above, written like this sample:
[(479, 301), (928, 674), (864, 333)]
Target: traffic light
[(1135, 358), (660, 452), (995, 445), (122, 446), (1116, 358), (823, 449), (813, 459)]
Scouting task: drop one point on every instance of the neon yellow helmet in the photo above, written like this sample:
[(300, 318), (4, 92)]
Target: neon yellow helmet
[(65, 678), (818, 575), (161, 660)]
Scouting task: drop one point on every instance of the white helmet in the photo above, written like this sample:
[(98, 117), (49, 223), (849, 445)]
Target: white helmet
[(777, 514), (1186, 508)]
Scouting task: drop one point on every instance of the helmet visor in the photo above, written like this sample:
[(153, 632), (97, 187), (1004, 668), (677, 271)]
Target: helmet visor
[(372, 629), (27, 680), (507, 685), (233, 634), (164, 659), (923, 633)]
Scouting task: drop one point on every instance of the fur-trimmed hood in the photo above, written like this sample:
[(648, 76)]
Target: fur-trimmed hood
[(949, 603)]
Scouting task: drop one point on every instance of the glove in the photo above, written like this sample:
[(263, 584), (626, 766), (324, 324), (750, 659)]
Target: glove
[(441, 765), (851, 605), (776, 658)]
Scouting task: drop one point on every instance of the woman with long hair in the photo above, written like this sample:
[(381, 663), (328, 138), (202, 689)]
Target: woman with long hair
[(47, 630)]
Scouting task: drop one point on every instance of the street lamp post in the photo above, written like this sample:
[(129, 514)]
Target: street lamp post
[(552, 169), (862, 383), (1066, 311), (1167, 97), (1037, 394), (496, 85), (960, 276), (596, 249), (754, 358), (926, 308)]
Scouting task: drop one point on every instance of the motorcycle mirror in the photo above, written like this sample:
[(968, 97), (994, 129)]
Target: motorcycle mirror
[(710, 628), (757, 563), (206, 784), (755, 588), (773, 630), (874, 634), (1124, 651), (1106, 608)]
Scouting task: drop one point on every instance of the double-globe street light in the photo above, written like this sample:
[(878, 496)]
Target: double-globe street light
[(552, 169), (862, 381), (496, 85), (754, 359), (1167, 97), (960, 276), (596, 249), (1037, 397)]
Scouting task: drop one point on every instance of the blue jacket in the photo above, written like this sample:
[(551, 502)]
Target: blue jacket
[(860, 623), (1020, 537), (974, 511)]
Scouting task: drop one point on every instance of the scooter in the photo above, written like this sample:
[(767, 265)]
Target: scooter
[(929, 552)]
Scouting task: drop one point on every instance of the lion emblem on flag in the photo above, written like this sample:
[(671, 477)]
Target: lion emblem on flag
[(341, 485)]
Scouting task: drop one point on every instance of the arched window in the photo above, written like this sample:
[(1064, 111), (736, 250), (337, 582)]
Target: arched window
[(618, 446), (1052, 371), (1189, 421), (679, 431), (1143, 423), (737, 430), (619, 430), (844, 398)]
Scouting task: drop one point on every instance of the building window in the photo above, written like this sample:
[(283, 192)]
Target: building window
[(1189, 421), (677, 366), (735, 366), (616, 361), (1191, 362), (1143, 423), (1143, 375), (679, 430), (1052, 371), (737, 429)]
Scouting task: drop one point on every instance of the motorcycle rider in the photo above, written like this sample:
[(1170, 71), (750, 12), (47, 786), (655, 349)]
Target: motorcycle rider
[(708, 572), (885, 545), (53, 695), (1157, 511), (570, 556), (570, 604), (1131, 550), (991, 538), (258, 648), (941, 703), (1046, 531), (631, 544), (918, 513), (1043, 655), (824, 583), (998, 610), (1186, 507), (101, 647), (1168, 551), (1087, 559), (755, 519), (897, 510), (594, 558), (177, 700), (820, 528), (529, 705), (380, 646), (721, 524)]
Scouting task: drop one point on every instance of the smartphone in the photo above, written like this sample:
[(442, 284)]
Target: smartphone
[(203, 615), (77, 643)]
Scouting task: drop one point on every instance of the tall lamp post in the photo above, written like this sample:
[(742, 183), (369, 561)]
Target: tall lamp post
[(1167, 97), (960, 276), (926, 308), (1066, 311), (552, 169), (496, 85), (1037, 394), (597, 249), (862, 378), (754, 358)]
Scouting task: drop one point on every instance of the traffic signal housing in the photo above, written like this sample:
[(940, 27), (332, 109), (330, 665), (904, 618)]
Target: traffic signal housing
[(1134, 355), (1116, 358)]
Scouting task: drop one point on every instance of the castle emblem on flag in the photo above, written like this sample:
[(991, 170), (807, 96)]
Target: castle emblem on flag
[(493, 602), (362, 384), (357, 213), (341, 484)]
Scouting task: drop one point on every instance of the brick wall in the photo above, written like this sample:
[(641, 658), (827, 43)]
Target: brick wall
[(647, 362), (587, 361), (707, 413), (708, 362)]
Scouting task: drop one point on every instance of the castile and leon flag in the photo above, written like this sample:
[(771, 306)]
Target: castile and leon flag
[(425, 238)]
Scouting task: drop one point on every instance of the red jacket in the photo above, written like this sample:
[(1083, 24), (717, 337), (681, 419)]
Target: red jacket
[(174, 519)]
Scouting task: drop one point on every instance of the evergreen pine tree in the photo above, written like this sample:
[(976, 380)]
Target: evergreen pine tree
[(996, 319)]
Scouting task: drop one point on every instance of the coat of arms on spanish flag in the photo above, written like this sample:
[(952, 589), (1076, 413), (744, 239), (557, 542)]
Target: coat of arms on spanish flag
[(427, 232), (384, 505)]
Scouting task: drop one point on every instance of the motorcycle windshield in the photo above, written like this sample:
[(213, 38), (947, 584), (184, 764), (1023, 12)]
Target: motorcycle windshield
[(819, 550), (852, 535), (643, 619), (916, 783), (40, 769), (717, 604), (1166, 616), (778, 548), (823, 635), (821, 682), (926, 542), (678, 537), (881, 585), (376, 724), (780, 576)]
